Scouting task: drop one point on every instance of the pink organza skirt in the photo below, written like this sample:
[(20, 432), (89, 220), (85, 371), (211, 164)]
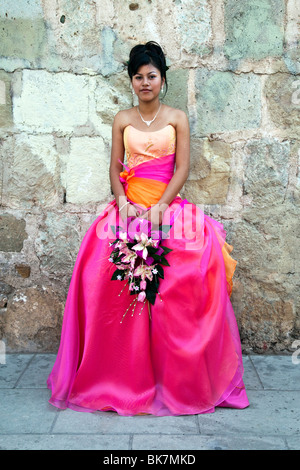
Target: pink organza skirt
[(181, 357)]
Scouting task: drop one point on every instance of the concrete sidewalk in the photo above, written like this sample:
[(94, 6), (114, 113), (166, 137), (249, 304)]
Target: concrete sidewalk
[(29, 422)]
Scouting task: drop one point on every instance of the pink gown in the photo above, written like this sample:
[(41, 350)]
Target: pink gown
[(181, 355)]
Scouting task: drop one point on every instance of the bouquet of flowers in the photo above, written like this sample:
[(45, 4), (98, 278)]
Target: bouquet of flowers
[(139, 258)]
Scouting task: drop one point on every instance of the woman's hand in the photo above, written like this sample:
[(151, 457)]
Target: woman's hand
[(130, 210), (155, 214)]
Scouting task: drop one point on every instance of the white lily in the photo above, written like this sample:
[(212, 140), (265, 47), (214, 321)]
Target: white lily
[(129, 258), (144, 241), (123, 236)]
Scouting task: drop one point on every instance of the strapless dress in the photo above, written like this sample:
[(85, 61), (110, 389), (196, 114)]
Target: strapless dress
[(181, 355)]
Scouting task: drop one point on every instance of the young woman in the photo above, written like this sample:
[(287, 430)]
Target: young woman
[(180, 354)]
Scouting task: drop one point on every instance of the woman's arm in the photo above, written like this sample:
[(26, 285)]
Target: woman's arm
[(117, 153)]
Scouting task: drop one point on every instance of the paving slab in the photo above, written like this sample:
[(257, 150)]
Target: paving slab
[(64, 442), (25, 411), (293, 442), (273, 413), (216, 442), (13, 368), (251, 378), (108, 422), (277, 372), (37, 370)]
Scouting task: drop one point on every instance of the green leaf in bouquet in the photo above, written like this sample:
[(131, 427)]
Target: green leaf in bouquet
[(166, 249), (156, 257), (164, 262), (152, 285), (118, 272), (151, 250), (160, 271), (151, 296)]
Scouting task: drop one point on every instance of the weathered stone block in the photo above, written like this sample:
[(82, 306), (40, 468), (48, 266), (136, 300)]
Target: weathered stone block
[(30, 174), (87, 174), (266, 324), (138, 24), (33, 320), (194, 21), (208, 180), (58, 243), (283, 98), (291, 38), (22, 38), (6, 118), (21, 9), (51, 102), (271, 212), (254, 30), (107, 63), (266, 171), (74, 31), (177, 96), (12, 233), (107, 97), (227, 102)]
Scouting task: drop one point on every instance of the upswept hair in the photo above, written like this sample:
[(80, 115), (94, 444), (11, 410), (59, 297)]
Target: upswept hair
[(144, 54)]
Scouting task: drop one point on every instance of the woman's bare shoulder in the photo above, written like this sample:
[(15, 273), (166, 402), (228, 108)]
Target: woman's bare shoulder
[(123, 118), (177, 117)]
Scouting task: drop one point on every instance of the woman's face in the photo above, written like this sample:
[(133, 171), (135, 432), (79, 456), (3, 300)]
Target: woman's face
[(147, 82)]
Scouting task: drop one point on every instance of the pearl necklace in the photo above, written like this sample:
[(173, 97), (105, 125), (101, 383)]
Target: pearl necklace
[(148, 122)]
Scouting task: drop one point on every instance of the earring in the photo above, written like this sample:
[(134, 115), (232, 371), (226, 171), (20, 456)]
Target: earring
[(134, 97), (162, 89)]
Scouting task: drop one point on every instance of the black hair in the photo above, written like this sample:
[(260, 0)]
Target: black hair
[(144, 54)]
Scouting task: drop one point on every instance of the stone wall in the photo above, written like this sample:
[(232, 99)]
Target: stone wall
[(234, 68)]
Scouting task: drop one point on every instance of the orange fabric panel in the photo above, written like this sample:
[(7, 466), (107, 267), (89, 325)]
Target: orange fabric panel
[(230, 265), (144, 192)]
